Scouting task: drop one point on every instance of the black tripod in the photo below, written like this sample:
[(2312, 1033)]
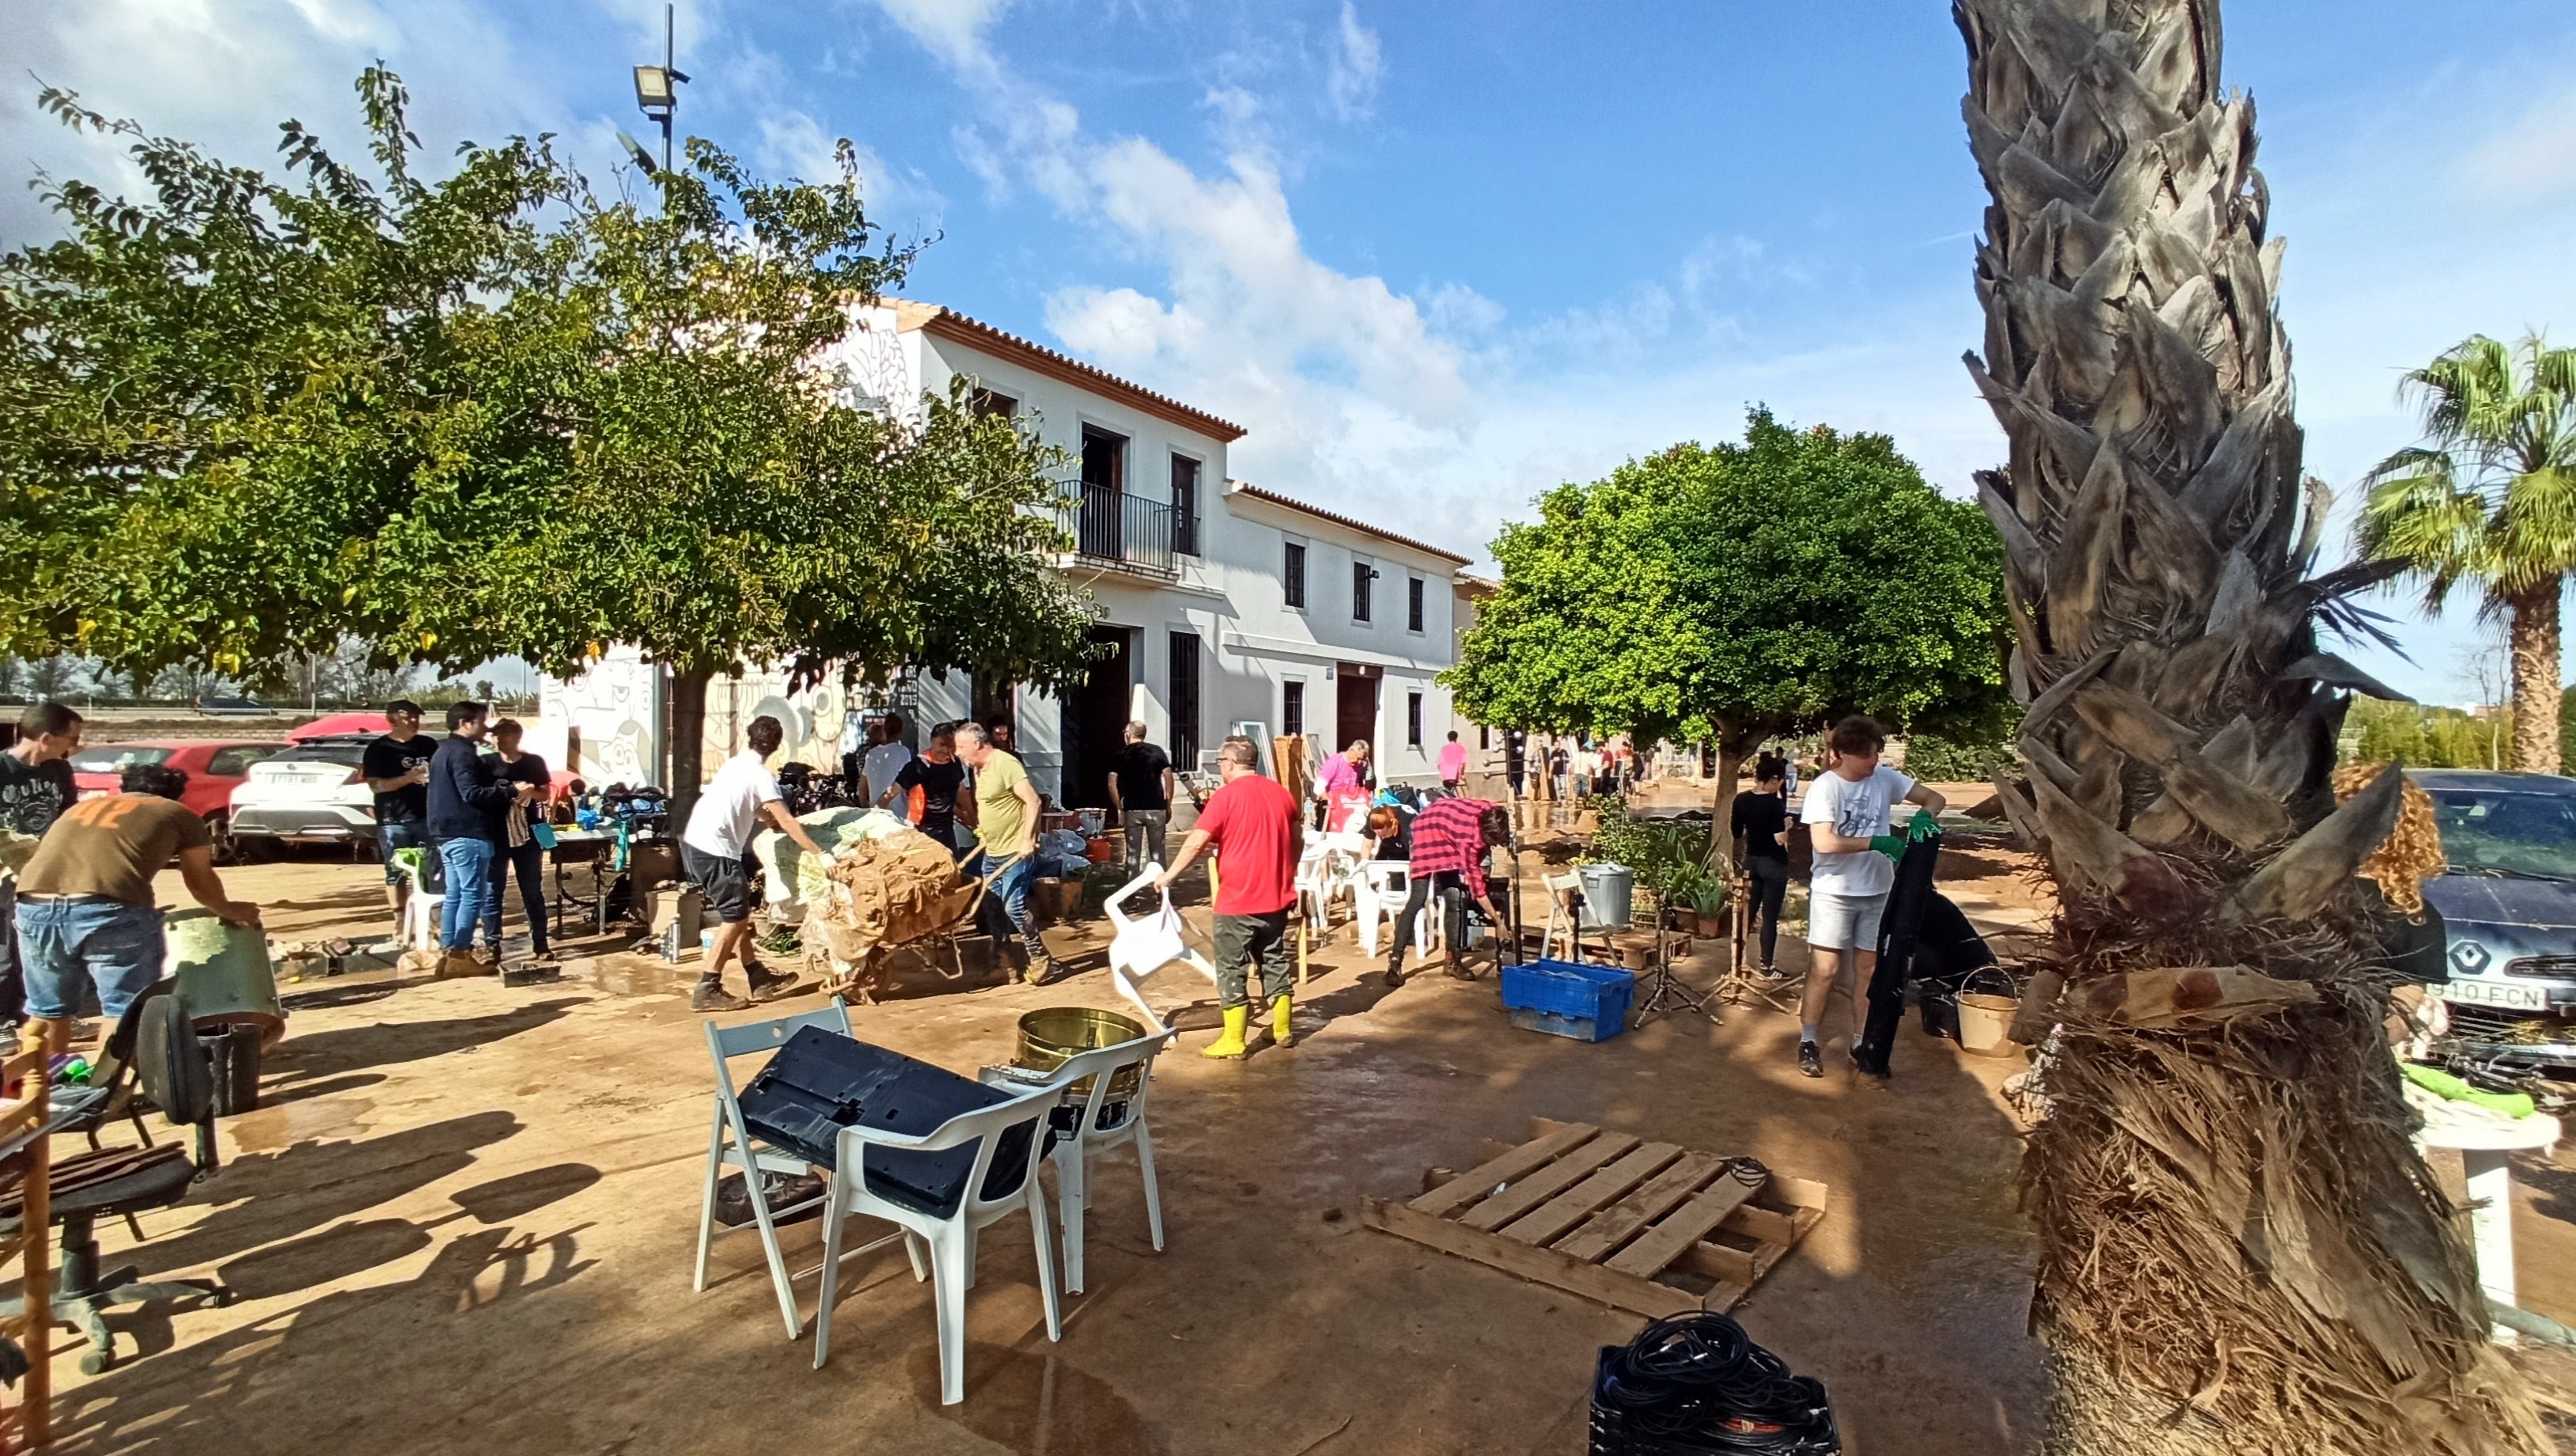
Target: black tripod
[(1666, 991)]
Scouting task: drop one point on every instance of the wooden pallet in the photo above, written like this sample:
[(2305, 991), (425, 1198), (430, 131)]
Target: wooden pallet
[(1650, 1227)]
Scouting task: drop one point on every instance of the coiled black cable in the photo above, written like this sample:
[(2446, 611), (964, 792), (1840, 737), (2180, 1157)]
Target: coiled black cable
[(1698, 1386)]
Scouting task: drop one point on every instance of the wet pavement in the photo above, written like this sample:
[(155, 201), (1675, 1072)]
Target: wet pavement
[(463, 1220)]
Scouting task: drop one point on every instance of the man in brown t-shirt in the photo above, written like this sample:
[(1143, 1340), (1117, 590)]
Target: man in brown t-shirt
[(85, 903)]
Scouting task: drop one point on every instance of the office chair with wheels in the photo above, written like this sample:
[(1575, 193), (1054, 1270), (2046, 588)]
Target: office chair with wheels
[(155, 1046)]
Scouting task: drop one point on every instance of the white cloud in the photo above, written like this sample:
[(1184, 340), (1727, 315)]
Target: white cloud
[(1358, 65), (2531, 160)]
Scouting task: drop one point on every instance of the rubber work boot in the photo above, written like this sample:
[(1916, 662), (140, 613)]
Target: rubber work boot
[(1281, 1031), (1231, 1044)]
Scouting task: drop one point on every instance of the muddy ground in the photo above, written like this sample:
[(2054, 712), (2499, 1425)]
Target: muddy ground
[(464, 1220)]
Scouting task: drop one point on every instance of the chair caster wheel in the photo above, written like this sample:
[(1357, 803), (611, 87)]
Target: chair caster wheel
[(98, 1362)]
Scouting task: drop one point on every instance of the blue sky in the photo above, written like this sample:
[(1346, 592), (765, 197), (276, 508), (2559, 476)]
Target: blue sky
[(1439, 257)]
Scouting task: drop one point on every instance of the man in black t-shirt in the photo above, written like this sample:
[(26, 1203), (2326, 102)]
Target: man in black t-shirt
[(1140, 789), (397, 769), (35, 788), (942, 781)]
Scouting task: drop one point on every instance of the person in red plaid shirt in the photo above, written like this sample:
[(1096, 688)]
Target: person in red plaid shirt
[(1451, 838)]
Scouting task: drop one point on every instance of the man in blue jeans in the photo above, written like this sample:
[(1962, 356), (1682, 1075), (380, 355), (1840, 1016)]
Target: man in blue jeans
[(469, 804), (86, 914)]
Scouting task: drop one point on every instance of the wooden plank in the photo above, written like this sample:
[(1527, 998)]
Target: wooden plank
[(1547, 1182), (1681, 1228), (1761, 1223), (1718, 1262), (1584, 1199), (1528, 1261), (1623, 1220), (1804, 1192), (1434, 1177), (1480, 1180)]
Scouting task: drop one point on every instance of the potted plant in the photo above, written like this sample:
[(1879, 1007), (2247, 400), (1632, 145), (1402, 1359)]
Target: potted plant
[(1710, 904)]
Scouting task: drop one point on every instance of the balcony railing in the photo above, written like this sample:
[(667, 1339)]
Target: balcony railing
[(1127, 531)]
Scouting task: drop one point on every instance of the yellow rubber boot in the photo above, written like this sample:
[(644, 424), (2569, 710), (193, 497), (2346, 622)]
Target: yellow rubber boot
[(1230, 1044), (1280, 1031)]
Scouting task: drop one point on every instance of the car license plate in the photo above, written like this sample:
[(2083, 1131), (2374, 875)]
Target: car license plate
[(2492, 993)]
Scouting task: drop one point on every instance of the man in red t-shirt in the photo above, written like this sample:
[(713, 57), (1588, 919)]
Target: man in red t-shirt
[(1253, 823)]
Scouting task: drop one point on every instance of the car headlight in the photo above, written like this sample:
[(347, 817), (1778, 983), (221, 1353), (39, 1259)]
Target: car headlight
[(2470, 958)]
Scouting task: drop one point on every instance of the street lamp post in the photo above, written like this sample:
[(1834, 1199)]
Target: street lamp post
[(657, 93)]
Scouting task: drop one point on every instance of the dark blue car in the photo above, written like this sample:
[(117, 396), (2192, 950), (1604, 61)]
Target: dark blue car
[(2508, 903)]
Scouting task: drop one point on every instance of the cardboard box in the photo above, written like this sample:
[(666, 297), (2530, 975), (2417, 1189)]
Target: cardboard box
[(653, 864), (682, 905)]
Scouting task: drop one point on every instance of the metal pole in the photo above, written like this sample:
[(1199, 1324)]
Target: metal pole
[(670, 58)]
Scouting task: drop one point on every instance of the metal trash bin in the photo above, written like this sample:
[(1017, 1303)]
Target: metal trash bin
[(1609, 891)]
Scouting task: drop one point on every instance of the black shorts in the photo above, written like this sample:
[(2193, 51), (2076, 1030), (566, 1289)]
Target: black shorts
[(725, 882)]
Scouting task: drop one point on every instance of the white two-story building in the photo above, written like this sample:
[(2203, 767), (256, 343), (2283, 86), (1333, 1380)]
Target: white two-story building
[(1223, 607)]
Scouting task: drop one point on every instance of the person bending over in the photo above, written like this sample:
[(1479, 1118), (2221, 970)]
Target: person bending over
[(1448, 844), (1847, 810), (86, 914), (715, 850)]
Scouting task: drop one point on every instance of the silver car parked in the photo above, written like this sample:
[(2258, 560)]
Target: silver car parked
[(2508, 904)]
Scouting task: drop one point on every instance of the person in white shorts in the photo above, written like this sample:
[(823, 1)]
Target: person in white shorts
[(1847, 813)]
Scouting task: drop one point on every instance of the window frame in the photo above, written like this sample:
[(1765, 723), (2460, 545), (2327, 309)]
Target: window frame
[(1413, 720), (1363, 591), (1292, 706), (1417, 609), (1292, 573), (1185, 514)]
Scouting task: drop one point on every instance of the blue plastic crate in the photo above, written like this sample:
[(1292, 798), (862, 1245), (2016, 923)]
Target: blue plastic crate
[(1563, 998)]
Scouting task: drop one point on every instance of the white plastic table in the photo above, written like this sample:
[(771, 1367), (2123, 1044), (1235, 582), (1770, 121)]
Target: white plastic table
[(2485, 1147)]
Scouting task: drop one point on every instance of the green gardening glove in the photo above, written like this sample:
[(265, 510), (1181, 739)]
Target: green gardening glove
[(1922, 827), (1891, 845)]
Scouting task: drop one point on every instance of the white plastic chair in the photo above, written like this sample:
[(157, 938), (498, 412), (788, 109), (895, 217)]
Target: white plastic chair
[(1561, 915), (1383, 885), (951, 1238), (420, 906), (750, 1154), (1140, 945), (1072, 1155)]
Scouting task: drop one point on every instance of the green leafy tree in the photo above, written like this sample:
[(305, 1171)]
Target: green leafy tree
[(497, 415), (2489, 499), (1729, 594)]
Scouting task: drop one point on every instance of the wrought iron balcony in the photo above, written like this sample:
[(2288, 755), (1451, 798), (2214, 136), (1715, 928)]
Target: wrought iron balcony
[(1128, 532)]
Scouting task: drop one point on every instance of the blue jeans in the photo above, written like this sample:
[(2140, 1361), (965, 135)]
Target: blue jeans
[(73, 942), (472, 894), (1005, 912), (400, 835)]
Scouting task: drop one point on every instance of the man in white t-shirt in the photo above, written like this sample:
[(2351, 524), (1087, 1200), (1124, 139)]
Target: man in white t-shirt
[(715, 851), (885, 758), (1847, 812)]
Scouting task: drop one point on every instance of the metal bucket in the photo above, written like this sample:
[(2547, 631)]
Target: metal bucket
[(1609, 892), (1054, 1035)]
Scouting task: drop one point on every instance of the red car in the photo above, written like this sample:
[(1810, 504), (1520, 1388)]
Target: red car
[(214, 769)]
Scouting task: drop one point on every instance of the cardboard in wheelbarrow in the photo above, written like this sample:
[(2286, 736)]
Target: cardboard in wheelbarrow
[(891, 891)]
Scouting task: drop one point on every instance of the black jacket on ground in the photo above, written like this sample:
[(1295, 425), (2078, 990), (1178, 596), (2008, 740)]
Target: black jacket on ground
[(467, 797)]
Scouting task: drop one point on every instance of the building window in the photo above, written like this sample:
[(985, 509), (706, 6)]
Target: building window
[(1484, 736), (1413, 604), (1361, 575), (1102, 529), (1185, 701), (1292, 576), (1292, 705), (1185, 505), (1413, 718), (988, 405)]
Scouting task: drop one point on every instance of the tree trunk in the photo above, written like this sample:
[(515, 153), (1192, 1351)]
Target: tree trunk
[(1734, 741), (2240, 1250), (687, 738), (2535, 678)]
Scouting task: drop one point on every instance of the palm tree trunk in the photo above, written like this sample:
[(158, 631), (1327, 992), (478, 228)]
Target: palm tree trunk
[(2534, 636), (2240, 1250)]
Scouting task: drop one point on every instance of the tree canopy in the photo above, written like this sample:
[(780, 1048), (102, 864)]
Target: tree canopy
[(2489, 499), (1730, 594), (497, 414)]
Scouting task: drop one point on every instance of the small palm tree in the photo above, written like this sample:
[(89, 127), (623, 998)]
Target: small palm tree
[(2490, 498)]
